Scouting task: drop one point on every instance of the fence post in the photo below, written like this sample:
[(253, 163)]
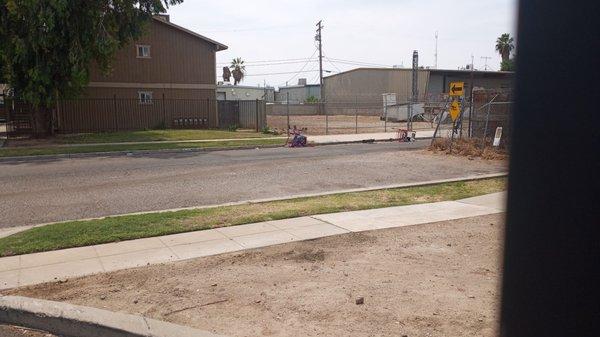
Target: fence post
[(116, 113), (487, 119), (385, 107), (326, 122), (164, 111), (208, 113), (356, 115), (256, 108), (288, 111)]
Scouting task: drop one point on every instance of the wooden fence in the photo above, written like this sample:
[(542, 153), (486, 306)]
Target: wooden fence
[(104, 115)]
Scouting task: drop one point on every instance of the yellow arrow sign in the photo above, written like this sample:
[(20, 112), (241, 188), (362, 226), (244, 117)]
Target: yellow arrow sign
[(454, 110), (457, 89)]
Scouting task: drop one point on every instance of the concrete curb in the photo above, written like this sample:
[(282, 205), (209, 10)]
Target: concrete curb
[(128, 153), (14, 230), (188, 141), (167, 151), (77, 321)]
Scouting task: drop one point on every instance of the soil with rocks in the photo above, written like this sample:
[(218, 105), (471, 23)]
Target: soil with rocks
[(13, 331), (439, 279)]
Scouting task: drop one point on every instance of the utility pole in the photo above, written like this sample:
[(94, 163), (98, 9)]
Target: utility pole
[(319, 39), (266, 92), (472, 84), (486, 58), (436, 50), (415, 90)]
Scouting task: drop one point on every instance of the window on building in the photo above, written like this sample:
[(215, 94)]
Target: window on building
[(145, 97), (143, 51)]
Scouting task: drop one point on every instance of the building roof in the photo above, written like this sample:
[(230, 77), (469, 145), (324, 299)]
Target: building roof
[(219, 45), (231, 86), (505, 73), (299, 86), (466, 71)]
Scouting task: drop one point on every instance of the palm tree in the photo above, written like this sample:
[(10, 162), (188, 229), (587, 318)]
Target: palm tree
[(505, 45), (238, 70)]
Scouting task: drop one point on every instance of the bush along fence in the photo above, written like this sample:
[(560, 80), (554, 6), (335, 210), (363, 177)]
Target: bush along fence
[(118, 114)]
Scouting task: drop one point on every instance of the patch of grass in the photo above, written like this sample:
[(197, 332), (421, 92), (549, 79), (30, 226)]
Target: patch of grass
[(119, 228), (50, 150), (154, 135)]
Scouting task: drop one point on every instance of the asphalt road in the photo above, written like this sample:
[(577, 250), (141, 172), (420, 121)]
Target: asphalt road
[(65, 189)]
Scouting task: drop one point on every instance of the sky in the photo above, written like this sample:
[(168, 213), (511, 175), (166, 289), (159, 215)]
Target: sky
[(276, 38)]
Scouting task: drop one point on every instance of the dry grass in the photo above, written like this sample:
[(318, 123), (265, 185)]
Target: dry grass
[(469, 148)]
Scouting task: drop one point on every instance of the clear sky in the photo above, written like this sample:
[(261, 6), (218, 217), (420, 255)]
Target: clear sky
[(275, 37)]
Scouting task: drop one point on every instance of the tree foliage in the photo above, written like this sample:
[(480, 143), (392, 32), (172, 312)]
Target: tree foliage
[(238, 70), (508, 65), (311, 99), (47, 47), (505, 44)]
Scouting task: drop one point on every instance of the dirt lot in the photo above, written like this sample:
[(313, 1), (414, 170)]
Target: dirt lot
[(437, 279), (341, 124), (11, 331)]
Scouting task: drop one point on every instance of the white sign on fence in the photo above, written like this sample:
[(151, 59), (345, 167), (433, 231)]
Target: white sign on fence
[(498, 136), (389, 99)]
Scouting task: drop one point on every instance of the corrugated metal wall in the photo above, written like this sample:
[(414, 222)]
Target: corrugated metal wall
[(370, 84)]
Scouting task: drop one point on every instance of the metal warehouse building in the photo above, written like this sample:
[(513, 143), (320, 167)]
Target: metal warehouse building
[(368, 84)]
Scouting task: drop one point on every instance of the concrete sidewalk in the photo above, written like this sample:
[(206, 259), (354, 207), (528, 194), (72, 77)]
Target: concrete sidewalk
[(323, 139), (379, 136), (38, 268)]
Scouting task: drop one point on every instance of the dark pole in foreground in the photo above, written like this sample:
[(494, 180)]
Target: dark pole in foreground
[(551, 282)]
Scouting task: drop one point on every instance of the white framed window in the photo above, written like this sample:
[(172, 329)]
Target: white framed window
[(145, 97), (143, 51)]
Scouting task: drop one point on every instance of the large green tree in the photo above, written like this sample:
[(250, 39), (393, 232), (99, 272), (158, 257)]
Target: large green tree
[(47, 47)]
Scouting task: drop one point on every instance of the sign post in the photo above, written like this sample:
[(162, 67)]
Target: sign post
[(456, 91)]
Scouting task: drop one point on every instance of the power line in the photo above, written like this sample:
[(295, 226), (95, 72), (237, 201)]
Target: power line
[(359, 63), (333, 64), (269, 61), (283, 73), (276, 64), (301, 69), (250, 29)]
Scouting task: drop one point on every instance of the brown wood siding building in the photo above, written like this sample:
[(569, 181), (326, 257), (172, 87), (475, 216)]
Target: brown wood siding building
[(176, 67), (176, 58)]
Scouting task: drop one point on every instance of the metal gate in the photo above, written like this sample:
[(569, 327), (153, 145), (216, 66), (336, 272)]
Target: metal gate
[(229, 113), (17, 118), (244, 114)]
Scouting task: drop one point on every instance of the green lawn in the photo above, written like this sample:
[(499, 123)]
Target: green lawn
[(155, 135), (50, 150), (119, 228)]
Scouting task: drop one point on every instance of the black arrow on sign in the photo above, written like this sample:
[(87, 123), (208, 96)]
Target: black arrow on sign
[(455, 89)]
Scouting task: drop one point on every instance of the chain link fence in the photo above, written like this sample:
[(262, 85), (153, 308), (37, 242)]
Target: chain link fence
[(359, 115)]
